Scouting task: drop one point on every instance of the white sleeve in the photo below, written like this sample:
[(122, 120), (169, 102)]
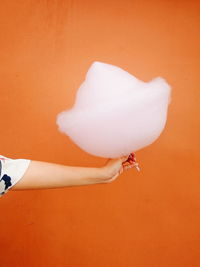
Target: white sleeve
[(11, 171)]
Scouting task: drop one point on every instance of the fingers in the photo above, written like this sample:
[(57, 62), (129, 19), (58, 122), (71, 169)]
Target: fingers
[(132, 157), (124, 159), (130, 162), (127, 167), (129, 158)]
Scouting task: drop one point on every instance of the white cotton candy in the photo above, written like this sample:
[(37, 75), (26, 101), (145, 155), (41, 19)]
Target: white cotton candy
[(114, 113)]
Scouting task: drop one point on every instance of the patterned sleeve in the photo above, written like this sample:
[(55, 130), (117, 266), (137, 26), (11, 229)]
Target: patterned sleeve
[(11, 171)]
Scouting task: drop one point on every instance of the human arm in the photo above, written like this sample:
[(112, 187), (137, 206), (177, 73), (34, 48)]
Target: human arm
[(41, 174)]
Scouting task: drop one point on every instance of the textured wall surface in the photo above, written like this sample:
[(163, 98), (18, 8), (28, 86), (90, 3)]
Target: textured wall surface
[(142, 219)]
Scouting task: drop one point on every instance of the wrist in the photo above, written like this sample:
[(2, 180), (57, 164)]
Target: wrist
[(99, 176)]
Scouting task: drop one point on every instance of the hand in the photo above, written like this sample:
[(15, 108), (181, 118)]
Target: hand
[(114, 167)]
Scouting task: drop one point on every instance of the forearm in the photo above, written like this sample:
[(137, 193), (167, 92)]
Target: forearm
[(51, 175)]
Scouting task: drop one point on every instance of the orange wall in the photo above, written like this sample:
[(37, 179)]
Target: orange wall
[(142, 219)]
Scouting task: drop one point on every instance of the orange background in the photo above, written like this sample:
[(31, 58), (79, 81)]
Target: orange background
[(142, 219)]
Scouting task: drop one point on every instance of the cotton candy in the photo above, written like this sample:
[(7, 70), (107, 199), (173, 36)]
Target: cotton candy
[(115, 113)]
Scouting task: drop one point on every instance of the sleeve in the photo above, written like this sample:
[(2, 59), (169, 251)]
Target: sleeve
[(11, 171)]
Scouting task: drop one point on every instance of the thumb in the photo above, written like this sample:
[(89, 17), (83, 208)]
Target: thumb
[(124, 158)]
